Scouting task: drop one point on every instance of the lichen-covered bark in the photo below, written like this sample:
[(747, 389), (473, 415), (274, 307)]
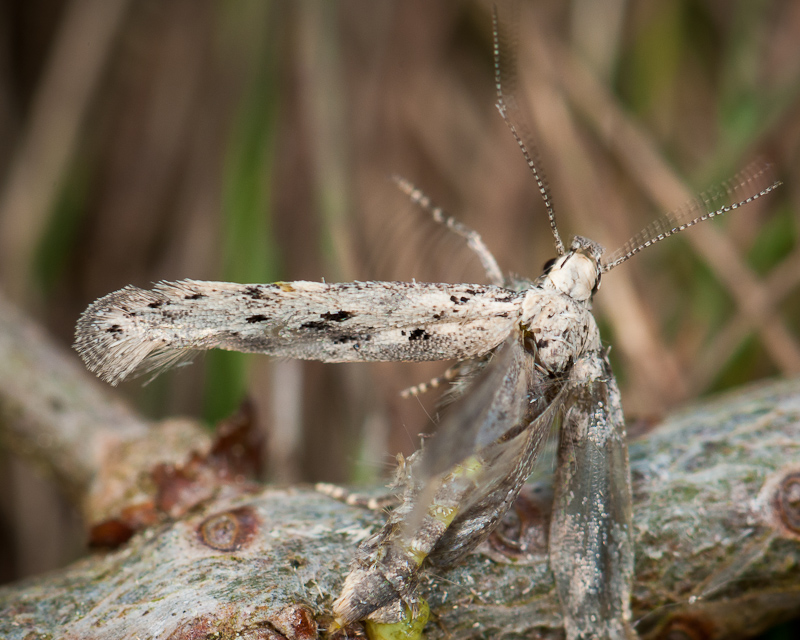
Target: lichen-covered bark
[(716, 516), (716, 519), (121, 470), (50, 412)]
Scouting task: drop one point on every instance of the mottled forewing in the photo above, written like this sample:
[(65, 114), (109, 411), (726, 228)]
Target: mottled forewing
[(135, 330)]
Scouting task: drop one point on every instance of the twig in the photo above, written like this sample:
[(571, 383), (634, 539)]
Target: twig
[(104, 457)]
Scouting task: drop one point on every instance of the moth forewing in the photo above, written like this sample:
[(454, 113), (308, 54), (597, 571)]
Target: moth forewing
[(135, 330), (591, 536)]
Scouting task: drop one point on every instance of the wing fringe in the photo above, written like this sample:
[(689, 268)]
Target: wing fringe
[(116, 342)]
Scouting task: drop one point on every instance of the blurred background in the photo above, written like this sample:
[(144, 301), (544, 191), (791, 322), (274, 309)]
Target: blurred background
[(254, 141)]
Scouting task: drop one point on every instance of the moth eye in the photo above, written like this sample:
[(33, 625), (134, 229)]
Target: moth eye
[(528, 341), (596, 284), (548, 265)]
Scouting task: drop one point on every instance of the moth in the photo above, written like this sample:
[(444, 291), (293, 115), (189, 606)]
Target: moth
[(534, 356)]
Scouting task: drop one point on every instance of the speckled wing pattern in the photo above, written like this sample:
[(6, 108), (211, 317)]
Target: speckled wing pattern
[(135, 330)]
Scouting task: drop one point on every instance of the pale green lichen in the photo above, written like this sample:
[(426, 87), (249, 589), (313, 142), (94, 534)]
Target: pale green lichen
[(409, 628)]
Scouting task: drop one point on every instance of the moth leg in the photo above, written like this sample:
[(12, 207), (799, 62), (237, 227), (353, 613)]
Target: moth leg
[(452, 373), (433, 383), (355, 499), (473, 238), (591, 531), (459, 376)]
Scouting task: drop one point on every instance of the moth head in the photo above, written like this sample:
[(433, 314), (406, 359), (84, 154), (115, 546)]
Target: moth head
[(577, 272)]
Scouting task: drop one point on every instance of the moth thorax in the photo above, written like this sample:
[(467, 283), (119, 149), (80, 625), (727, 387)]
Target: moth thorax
[(575, 275)]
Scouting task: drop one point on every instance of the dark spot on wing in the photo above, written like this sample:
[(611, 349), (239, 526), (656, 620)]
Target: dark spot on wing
[(502, 314), (596, 284), (257, 318), (461, 300), (339, 316), (317, 325), (471, 292), (437, 316), (156, 304), (419, 334), (254, 292), (542, 343), (346, 338), (114, 328), (194, 296)]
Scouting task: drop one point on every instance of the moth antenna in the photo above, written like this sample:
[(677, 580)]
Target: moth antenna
[(756, 180), (473, 238), (531, 156)]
